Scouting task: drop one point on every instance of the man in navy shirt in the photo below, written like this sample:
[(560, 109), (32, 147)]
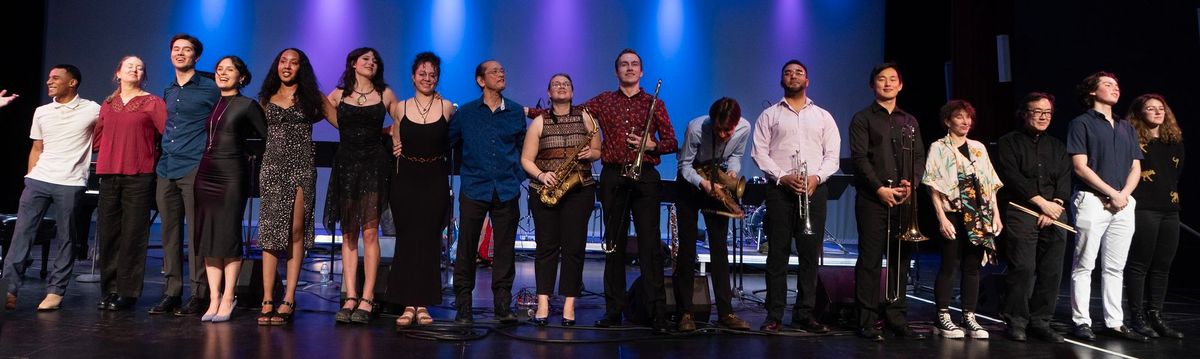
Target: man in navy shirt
[(1105, 156), (190, 100), (491, 130)]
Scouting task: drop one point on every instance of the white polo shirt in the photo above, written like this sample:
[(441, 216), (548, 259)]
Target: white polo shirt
[(66, 133)]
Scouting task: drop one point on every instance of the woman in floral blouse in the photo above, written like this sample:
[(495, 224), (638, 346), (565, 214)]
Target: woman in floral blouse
[(963, 184)]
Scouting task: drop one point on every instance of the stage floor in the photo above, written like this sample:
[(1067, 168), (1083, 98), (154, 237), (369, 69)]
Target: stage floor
[(79, 330)]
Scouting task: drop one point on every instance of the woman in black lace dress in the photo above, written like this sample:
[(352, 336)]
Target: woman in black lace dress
[(221, 186), (358, 183), (420, 193), (293, 102)]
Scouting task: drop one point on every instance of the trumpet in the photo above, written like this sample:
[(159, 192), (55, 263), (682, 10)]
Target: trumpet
[(910, 232), (800, 168), (634, 170), (568, 173), (729, 195)]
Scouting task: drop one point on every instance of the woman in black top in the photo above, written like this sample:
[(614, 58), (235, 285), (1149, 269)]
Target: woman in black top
[(1157, 215), (221, 187)]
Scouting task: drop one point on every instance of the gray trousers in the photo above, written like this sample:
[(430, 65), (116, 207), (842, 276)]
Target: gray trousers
[(176, 200), (35, 202)]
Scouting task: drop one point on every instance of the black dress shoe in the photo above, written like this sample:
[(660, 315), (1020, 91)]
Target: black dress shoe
[(1123, 332), (661, 326), (809, 325), (770, 326), (122, 303), (1160, 326), (195, 305), (106, 301), (870, 334), (1046, 334), (463, 317), (506, 317), (1016, 333), (1084, 331), (609, 321), (167, 304), (907, 333)]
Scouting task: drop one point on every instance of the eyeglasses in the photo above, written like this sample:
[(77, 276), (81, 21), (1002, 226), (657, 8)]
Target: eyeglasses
[(1040, 113), (565, 85), (499, 71)]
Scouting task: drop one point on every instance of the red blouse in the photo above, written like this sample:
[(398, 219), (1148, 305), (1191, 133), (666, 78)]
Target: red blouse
[(127, 135)]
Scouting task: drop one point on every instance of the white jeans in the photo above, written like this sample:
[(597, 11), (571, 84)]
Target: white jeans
[(1100, 232)]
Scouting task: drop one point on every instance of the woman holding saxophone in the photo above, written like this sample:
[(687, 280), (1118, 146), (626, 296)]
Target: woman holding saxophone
[(559, 148)]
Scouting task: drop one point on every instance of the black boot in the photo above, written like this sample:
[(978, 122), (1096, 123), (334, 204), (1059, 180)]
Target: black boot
[(1154, 318), (1139, 325)]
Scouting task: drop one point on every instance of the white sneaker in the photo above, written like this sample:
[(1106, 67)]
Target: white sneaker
[(974, 330), (946, 327)]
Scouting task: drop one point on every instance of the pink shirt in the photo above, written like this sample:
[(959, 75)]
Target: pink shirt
[(126, 135), (781, 131)]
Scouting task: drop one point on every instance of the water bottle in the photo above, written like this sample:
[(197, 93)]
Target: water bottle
[(325, 275)]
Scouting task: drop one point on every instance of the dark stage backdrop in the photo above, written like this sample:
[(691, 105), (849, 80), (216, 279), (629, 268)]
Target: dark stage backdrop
[(702, 50)]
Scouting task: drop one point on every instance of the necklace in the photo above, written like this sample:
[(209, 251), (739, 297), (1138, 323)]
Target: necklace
[(362, 96), (212, 127), (424, 111)]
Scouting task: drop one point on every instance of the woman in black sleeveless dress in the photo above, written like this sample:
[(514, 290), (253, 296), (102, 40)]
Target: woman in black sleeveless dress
[(420, 194), (221, 184), (358, 183)]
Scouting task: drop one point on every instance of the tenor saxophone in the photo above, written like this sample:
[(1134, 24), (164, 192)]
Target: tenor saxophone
[(728, 197), (568, 173)]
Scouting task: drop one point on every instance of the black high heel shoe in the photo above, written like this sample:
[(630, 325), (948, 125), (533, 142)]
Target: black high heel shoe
[(264, 318), (282, 318), (343, 315), (541, 322), (363, 316), (568, 322)]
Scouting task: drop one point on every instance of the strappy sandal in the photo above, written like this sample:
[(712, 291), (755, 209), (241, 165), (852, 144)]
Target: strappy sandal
[(282, 318), (344, 315), (361, 316), (264, 317), (405, 320), (423, 317)]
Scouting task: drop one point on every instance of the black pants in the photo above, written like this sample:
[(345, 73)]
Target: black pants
[(1035, 263), (176, 200), (784, 226), (561, 231), (1150, 256), (642, 200), (504, 216), (958, 254), (689, 200), (872, 245), (123, 232)]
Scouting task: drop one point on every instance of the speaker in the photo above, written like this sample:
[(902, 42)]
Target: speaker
[(701, 300), (835, 299), (250, 283)]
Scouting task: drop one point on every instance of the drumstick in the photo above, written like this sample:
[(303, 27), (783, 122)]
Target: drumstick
[(1052, 221)]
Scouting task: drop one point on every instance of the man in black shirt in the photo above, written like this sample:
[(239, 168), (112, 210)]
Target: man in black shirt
[(882, 155), (1036, 173)]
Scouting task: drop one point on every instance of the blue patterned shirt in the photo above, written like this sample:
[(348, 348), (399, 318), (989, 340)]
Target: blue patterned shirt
[(491, 149)]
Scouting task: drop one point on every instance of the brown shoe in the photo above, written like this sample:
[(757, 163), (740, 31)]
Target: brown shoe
[(686, 323), (732, 321), (10, 301), (51, 302)]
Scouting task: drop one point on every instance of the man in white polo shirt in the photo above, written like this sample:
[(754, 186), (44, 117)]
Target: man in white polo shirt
[(58, 169)]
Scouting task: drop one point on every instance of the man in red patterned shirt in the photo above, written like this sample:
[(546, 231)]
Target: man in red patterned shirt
[(623, 117)]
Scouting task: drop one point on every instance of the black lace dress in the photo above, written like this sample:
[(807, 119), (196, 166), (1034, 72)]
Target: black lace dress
[(359, 181)]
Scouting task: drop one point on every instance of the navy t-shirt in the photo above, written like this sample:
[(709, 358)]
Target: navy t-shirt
[(1110, 149)]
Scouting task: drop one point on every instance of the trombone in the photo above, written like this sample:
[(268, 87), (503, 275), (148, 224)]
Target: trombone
[(632, 171), (908, 214)]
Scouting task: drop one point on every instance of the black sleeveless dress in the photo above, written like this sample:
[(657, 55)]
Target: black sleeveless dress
[(358, 182), (420, 200), (221, 180)]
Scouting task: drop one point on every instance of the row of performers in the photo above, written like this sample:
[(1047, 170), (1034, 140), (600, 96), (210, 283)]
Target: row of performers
[(202, 122)]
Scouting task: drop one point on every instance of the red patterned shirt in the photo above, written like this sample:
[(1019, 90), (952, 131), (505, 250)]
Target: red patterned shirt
[(620, 114), (126, 135)]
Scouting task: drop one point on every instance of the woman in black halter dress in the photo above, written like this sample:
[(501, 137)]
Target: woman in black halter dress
[(420, 195)]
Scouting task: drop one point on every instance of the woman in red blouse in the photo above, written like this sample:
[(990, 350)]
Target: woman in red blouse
[(130, 120)]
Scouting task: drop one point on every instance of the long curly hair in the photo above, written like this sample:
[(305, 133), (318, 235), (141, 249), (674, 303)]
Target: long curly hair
[(349, 80), (308, 93), (1168, 132)]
